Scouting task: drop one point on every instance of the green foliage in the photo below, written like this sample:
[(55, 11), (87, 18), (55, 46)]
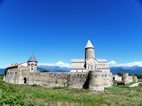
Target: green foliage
[(1, 77), (139, 76), (140, 84), (26, 95), (120, 74), (58, 87), (45, 71), (9, 96), (34, 85), (140, 80)]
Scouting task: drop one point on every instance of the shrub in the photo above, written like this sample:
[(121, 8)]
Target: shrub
[(34, 85), (58, 87), (140, 80), (140, 84)]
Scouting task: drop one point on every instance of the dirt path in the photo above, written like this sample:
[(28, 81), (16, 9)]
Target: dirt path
[(136, 84)]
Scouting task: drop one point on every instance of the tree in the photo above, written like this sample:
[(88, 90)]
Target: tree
[(45, 71)]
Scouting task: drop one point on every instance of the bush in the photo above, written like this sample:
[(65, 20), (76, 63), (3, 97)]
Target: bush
[(1, 77), (34, 85), (140, 80), (140, 84), (58, 87), (139, 76)]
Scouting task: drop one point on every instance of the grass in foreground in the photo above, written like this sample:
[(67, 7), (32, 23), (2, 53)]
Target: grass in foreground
[(140, 80), (26, 95)]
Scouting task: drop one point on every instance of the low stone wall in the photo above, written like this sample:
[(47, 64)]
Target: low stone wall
[(130, 79), (66, 79), (117, 78)]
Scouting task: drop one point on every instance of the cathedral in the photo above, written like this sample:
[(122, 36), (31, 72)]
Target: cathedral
[(89, 62)]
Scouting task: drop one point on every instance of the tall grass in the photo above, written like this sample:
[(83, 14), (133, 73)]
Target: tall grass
[(26, 95)]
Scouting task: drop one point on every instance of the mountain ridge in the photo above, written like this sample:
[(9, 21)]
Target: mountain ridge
[(123, 69), (114, 70)]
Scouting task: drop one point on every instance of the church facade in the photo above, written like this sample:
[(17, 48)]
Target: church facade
[(89, 62)]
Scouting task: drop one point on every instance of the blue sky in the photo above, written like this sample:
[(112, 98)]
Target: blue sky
[(58, 30)]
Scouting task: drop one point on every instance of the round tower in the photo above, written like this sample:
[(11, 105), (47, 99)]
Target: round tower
[(96, 80), (32, 63), (125, 78), (89, 50)]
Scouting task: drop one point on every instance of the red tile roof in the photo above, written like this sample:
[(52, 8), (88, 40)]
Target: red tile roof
[(14, 65)]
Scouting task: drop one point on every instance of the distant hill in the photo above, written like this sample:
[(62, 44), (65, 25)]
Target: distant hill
[(2, 70), (40, 69), (48, 68), (114, 70), (53, 68), (131, 70)]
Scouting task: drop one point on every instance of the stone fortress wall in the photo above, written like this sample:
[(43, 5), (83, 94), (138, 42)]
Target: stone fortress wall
[(127, 79), (72, 80), (66, 79), (91, 73), (93, 80), (124, 78)]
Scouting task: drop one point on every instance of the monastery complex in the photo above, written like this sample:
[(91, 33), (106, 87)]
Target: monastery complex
[(87, 73)]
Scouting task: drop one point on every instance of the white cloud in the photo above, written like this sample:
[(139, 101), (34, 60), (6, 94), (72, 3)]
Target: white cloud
[(112, 63), (139, 63), (131, 64), (59, 63)]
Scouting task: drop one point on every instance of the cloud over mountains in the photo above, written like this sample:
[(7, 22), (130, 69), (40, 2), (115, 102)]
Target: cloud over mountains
[(60, 66), (54, 67), (59, 63), (111, 64), (131, 64)]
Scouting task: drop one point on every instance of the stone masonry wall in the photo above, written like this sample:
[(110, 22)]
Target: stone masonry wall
[(66, 79)]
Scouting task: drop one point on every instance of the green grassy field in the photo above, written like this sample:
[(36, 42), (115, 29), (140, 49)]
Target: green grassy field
[(26, 95), (140, 80)]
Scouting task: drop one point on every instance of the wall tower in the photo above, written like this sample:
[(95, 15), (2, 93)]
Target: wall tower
[(32, 63)]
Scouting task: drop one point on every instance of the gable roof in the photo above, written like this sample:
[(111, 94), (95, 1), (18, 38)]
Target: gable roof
[(15, 65), (32, 58), (89, 44)]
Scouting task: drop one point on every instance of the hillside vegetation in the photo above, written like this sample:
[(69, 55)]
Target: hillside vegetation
[(26, 95)]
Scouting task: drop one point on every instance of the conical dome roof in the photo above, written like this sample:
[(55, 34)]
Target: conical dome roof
[(89, 44), (32, 58)]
